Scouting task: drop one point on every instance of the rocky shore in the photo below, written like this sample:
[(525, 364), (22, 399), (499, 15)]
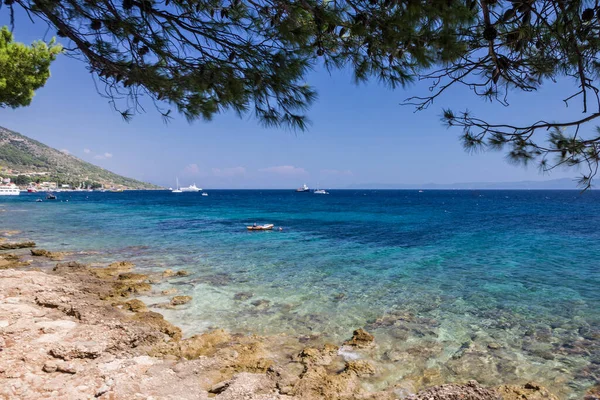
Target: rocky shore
[(72, 331)]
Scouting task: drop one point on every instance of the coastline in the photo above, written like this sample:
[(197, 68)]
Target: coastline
[(74, 331)]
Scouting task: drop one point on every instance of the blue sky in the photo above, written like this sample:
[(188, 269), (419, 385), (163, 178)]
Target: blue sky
[(359, 134)]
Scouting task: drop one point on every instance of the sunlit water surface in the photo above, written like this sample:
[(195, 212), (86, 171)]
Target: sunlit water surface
[(499, 286)]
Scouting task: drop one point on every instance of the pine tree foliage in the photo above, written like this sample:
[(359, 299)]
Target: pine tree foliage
[(200, 57), (23, 69)]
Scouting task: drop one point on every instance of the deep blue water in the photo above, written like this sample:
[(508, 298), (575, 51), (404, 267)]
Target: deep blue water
[(431, 270)]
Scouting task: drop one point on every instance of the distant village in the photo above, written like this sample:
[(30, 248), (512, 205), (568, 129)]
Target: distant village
[(33, 182)]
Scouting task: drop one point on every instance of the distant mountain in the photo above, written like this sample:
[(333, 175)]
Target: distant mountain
[(554, 184), (20, 155)]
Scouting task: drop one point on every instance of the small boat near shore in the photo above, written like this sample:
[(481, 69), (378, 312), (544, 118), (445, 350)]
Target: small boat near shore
[(50, 196), (266, 227)]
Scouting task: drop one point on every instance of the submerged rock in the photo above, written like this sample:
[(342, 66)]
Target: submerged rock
[(168, 292), (593, 393), (528, 391), (361, 339), (261, 304), (470, 391), (179, 300), (16, 245), (241, 296), (48, 254), (168, 273)]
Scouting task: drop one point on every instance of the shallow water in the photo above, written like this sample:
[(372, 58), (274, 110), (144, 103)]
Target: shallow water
[(499, 286)]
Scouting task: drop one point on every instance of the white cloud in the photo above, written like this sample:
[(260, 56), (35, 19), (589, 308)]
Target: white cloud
[(336, 172), (103, 156), (87, 151), (228, 172), (65, 151), (288, 170), (192, 169)]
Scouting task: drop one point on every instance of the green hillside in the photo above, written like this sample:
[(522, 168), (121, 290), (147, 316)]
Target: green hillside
[(21, 158)]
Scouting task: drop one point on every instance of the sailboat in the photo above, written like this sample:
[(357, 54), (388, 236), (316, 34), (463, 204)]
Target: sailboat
[(177, 190), (320, 191)]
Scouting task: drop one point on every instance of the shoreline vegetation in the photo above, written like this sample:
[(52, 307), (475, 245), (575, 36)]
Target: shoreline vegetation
[(70, 330)]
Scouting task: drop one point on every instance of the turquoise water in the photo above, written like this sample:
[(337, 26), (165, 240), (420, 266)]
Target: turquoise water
[(499, 286)]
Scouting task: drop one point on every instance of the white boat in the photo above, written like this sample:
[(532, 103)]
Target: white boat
[(320, 191), (9, 189), (304, 188), (255, 227), (176, 190), (204, 194), (191, 188)]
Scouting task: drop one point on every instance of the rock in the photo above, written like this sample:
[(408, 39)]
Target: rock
[(46, 253), (528, 391), (49, 367), (241, 296), (125, 289), (361, 368), (314, 356), (167, 273), (339, 297), (593, 393), (164, 306), (360, 339), (470, 391), (132, 277), (113, 269), (157, 321), (494, 346), (70, 267), (88, 350), (121, 265), (11, 261), (394, 355), (219, 387), (168, 292), (16, 245), (179, 300), (135, 305), (261, 304), (66, 368), (204, 344)]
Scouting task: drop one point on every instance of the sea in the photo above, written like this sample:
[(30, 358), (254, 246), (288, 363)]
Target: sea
[(498, 286)]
